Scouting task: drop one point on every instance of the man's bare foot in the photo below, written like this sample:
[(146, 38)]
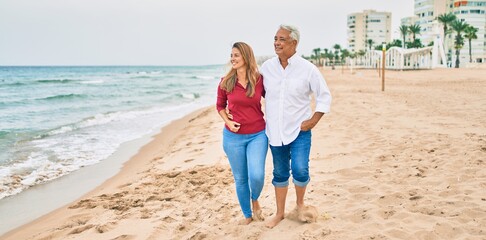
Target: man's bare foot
[(274, 221), (245, 221)]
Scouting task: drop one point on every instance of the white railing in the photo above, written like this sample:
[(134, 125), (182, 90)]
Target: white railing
[(398, 58)]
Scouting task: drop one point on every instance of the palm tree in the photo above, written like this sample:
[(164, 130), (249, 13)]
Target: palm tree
[(336, 47), (470, 34), (404, 31), (326, 55), (331, 57), (344, 54), (361, 53), (317, 54), (370, 43), (414, 30), (446, 19), (459, 27)]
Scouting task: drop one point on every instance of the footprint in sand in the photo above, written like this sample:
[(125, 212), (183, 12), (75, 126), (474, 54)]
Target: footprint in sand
[(105, 227), (81, 229), (124, 237), (307, 214)]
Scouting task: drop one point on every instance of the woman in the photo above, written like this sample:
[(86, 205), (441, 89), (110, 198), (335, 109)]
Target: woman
[(244, 140)]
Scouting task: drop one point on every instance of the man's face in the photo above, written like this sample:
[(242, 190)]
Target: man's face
[(284, 45)]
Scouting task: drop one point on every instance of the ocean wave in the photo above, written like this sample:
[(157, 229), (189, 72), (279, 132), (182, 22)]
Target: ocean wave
[(11, 103), (3, 133), (64, 97), (141, 77), (105, 118), (57, 80), (97, 120), (14, 84), (37, 168), (155, 92), (188, 95), (170, 85), (144, 72), (204, 77), (61, 130), (100, 81)]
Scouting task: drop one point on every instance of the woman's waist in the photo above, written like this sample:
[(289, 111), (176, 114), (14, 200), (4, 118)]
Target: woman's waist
[(249, 128)]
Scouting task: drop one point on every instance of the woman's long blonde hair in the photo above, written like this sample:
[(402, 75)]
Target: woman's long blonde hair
[(229, 81)]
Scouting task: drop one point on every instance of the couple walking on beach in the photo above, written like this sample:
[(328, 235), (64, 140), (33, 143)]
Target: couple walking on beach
[(286, 83)]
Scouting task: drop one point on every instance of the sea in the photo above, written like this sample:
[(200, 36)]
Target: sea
[(55, 120)]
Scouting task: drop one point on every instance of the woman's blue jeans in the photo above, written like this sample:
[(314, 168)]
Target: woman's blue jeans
[(246, 154), (295, 157)]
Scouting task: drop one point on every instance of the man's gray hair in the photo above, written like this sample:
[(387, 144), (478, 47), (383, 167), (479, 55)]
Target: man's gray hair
[(294, 32)]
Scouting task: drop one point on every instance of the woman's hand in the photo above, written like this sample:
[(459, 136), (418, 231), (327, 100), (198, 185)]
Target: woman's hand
[(233, 126), (228, 120), (229, 115)]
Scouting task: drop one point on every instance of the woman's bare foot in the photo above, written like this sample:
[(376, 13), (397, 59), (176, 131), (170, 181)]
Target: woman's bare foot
[(245, 221), (274, 221), (257, 211), (258, 215)]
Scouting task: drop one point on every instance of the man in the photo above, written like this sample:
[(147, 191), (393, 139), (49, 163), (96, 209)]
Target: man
[(289, 81)]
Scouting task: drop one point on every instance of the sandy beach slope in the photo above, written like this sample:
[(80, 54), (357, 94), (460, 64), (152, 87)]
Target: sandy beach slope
[(407, 163)]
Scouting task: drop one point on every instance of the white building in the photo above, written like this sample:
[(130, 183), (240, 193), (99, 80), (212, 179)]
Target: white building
[(471, 12), (474, 14), (369, 24), (427, 12), (407, 22)]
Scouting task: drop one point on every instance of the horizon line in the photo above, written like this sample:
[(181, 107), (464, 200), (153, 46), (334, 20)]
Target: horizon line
[(112, 65)]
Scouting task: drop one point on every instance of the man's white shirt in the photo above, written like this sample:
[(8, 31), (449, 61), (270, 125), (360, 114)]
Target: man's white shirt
[(288, 97)]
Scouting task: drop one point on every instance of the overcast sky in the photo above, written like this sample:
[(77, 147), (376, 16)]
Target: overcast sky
[(169, 32)]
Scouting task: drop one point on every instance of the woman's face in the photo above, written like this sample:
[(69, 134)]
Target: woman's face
[(236, 59)]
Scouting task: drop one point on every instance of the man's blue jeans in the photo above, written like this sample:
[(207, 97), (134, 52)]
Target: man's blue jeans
[(293, 156), (246, 154)]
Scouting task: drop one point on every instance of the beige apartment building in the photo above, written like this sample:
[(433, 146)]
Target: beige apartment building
[(427, 12), (474, 14), (365, 25), (471, 12), (407, 22)]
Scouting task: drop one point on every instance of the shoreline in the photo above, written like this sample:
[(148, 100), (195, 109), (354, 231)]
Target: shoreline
[(406, 163), (95, 178), (19, 210)]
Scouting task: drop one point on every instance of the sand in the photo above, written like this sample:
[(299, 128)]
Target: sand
[(406, 163)]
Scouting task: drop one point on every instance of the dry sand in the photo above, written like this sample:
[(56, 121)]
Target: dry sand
[(407, 163)]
